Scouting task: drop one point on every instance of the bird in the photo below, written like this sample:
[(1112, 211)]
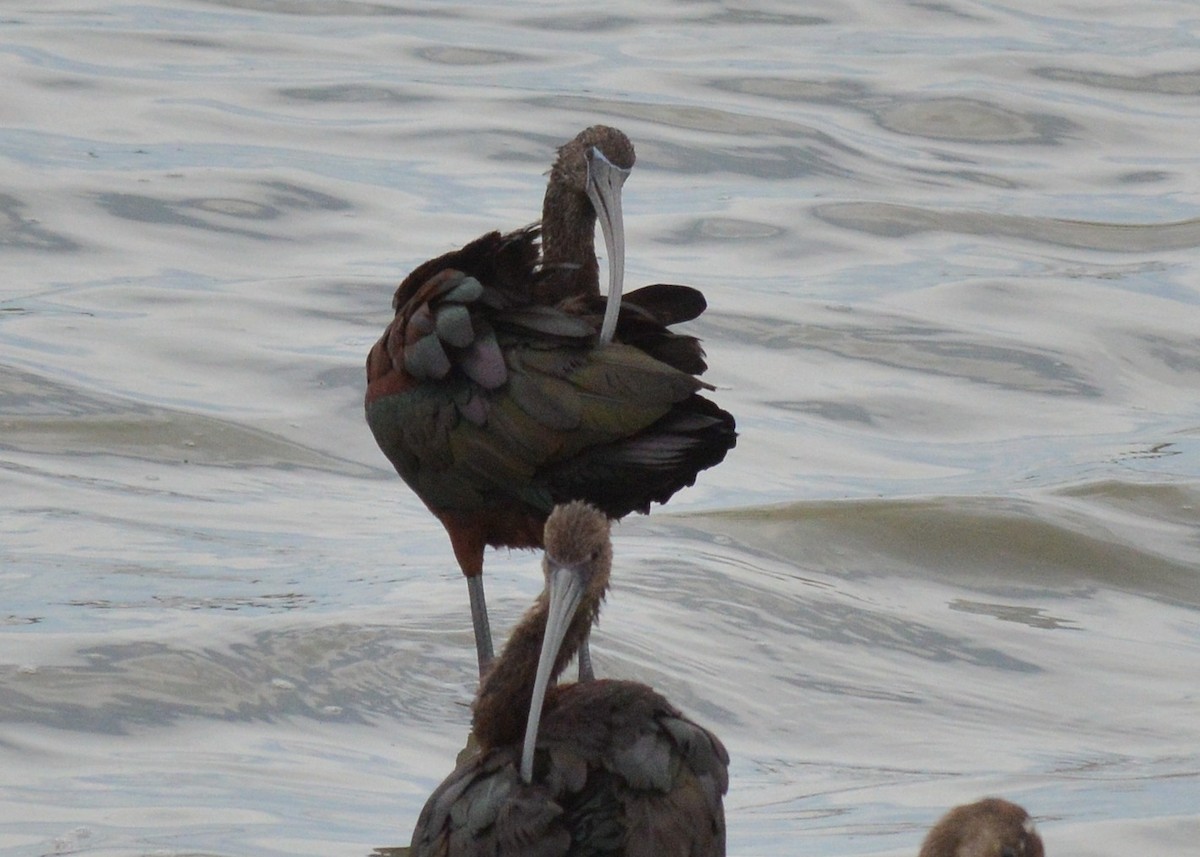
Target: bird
[(505, 383), (991, 827), (598, 767)]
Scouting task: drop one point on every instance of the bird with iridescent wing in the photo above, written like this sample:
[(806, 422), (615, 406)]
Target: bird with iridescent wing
[(506, 383), (594, 768)]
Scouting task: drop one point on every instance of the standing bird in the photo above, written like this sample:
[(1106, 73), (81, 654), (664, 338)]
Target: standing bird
[(605, 767), (991, 827), (507, 384)]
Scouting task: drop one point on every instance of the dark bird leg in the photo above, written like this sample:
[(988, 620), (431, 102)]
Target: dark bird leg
[(479, 618), (586, 673), (468, 539)]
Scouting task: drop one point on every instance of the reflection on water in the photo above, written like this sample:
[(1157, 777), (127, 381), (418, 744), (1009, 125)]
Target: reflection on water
[(899, 220), (1035, 617), (1185, 83), (219, 214), (948, 252)]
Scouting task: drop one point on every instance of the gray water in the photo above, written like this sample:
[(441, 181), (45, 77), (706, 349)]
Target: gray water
[(950, 256)]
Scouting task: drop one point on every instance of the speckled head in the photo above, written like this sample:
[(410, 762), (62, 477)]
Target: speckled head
[(577, 537), (571, 166), (577, 564), (992, 827), (585, 189)]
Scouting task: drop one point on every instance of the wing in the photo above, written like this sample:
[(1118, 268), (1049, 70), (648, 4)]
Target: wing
[(632, 774), (645, 317), (618, 771), (628, 474), (483, 809), (475, 394)]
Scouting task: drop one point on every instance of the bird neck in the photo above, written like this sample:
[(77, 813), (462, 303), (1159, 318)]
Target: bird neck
[(568, 245), (502, 703)]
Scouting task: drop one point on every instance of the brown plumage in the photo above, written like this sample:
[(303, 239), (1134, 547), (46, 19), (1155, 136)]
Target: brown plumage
[(992, 827), (610, 768), (506, 384)]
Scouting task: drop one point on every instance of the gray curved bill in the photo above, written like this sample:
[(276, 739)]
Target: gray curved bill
[(604, 183), (566, 591)]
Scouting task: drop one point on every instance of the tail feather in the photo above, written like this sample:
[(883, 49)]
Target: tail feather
[(649, 467)]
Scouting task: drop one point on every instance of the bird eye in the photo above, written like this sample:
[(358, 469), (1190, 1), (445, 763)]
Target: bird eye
[(1008, 851), (595, 554)]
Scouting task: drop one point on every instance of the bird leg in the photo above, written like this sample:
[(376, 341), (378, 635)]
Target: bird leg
[(586, 673), (479, 618)]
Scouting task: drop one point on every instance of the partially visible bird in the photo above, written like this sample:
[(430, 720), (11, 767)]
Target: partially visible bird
[(992, 827), (506, 384), (596, 768)]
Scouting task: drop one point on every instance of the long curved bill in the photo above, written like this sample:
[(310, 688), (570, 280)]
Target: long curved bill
[(604, 181), (566, 591)]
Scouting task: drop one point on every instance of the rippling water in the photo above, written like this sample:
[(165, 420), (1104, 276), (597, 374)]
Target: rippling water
[(950, 255)]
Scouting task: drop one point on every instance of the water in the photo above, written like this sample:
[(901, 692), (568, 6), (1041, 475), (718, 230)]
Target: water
[(949, 251)]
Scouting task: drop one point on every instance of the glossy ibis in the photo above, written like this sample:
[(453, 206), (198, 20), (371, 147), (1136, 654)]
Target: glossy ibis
[(506, 384), (991, 827), (603, 767)]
